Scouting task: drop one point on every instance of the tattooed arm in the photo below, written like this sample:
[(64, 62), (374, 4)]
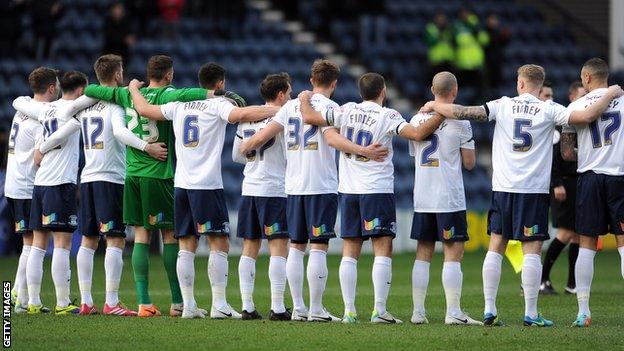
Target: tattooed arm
[(473, 113), (568, 141)]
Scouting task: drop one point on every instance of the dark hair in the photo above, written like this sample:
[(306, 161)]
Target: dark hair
[(158, 66), (597, 67), (41, 78), (547, 84), (273, 84), (106, 66), (371, 85), (324, 72), (574, 87), (73, 80), (210, 74)]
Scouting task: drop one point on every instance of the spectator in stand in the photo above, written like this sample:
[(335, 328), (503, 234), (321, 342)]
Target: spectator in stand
[(170, 13), (45, 15), (439, 40), (470, 39), (118, 36), (494, 52), (11, 12)]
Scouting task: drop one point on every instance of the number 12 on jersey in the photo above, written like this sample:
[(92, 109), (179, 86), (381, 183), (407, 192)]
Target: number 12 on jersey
[(616, 122)]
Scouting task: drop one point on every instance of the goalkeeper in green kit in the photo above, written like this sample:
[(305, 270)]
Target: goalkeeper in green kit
[(148, 190)]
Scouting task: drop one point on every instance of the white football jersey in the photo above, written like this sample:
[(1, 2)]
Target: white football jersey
[(199, 128), (310, 161), (105, 156), (364, 124), (265, 168), (522, 145), (21, 169), (438, 180), (60, 165), (601, 143)]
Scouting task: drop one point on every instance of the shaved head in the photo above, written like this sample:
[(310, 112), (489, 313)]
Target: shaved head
[(597, 68), (443, 83)]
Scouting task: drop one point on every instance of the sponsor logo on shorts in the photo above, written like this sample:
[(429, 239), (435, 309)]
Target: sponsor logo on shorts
[(21, 225), (272, 229), (372, 224), (153, 220), (107, 227), (49, 219), (320, 230), (530, 231), (204, 228), (448, 234)]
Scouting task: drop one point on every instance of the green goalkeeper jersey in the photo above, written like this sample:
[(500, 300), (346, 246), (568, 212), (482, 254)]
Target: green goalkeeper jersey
[(138, 162)]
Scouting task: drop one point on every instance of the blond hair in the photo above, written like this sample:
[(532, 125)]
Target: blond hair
[(534, 74), (443, 83)]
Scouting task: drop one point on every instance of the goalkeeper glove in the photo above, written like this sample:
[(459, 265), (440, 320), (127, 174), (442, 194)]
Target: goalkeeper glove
[(232, 97)]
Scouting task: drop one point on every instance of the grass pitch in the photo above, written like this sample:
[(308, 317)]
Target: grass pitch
[(49, 332)]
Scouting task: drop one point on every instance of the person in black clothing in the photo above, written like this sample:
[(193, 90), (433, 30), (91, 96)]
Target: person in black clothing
[(45, 14), (11, 12), (562, 205), (494, 52), (118, 35)]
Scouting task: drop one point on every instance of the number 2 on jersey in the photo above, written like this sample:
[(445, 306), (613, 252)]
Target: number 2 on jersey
[(295, 135), (616, 122), (90, 140), (425, 158)]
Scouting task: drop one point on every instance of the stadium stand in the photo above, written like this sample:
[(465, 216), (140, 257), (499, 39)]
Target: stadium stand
[(263, 47)]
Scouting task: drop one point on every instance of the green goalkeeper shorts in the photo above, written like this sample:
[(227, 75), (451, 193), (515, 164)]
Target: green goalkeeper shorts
[(148, 202)]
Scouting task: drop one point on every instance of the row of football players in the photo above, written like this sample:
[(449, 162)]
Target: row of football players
[(366, 188)]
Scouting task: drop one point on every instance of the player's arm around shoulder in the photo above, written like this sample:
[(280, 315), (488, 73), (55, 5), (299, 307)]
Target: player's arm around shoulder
[(29, 107), (309, 114), (593, 111), (250, 113), (473, 113), (60, 136), (141, 105), (375, 151), (417, 131), (259, 138)]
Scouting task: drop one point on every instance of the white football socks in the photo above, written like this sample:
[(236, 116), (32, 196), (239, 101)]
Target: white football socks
[(218, 275), (61, 275), (84, 263), (452, 278), (584, 272), (382, 278), (420, 282), (531, 278), (317, 279), (348, 282), (491, 278), (246, 276), (277, 277), (20, 277), (185, 267), (294, 273), (621, 251), (113, 267), (34, 275)]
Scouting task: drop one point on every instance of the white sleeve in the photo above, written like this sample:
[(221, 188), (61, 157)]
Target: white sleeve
[(168, 110), (561, 115), (412, 144), (123, 134), (394, 122), (224, 108), (29, 107), (76, 106), (493, 108), (236, 155), (57, 138), (466, 140), (281, 116)]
